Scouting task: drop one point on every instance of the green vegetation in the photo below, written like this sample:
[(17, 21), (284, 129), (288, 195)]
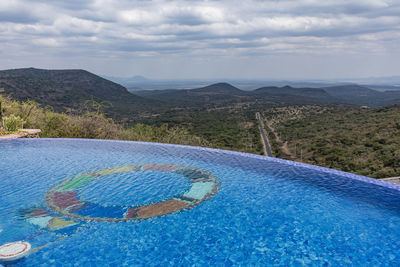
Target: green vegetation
[(365, 141), (237, 130), (229, 128), (12, 123), (89, 125), (1, 109), (217, 128)]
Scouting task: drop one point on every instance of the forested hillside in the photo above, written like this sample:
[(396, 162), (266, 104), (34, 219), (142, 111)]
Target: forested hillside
[(70, 90)]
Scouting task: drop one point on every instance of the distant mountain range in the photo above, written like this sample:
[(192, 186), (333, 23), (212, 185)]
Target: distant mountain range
[(71, 89), (360, 95), (286, 95), (142, 83)]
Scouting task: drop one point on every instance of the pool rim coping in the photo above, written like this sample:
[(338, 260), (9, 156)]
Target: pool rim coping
[(353, 176)]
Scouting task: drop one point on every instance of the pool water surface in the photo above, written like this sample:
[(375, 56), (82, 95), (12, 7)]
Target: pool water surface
[(95, 202)]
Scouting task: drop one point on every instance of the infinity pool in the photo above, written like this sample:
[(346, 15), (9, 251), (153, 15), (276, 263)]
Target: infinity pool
[(101, 203)]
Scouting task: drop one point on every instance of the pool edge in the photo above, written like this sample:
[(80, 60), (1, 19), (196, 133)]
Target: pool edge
[(357, 177)]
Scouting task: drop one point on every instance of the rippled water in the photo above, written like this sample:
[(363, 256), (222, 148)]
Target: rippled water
[(134, 187), (266, 212)]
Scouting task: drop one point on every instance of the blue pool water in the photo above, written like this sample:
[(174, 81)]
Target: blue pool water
[(262, 211), (127, 188)]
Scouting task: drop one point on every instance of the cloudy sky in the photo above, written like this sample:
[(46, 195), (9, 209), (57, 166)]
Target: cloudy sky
[(271, 39)]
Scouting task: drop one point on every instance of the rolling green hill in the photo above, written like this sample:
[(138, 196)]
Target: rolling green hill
[(71, 89)]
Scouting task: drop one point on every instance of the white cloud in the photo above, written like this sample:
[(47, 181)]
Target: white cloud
[(71, 25), (164, 28), (139, 17), (50, 42)]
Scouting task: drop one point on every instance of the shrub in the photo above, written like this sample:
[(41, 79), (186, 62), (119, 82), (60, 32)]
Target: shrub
[(1, 108), (12, 123)]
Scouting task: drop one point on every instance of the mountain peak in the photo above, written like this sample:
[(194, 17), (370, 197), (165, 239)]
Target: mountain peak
[(219, 88)]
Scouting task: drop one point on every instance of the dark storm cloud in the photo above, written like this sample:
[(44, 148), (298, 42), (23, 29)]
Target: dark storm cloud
[(67, 4), (17, 16)]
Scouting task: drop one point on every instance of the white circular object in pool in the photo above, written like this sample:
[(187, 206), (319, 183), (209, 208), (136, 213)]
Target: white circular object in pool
[(14, 251)]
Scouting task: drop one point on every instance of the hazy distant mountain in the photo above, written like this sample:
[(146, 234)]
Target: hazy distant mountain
[(355, 94), (219, 88), (316, 93), (138, 79), (143, 83), (359, 95), (215, 94), (223, 93), (351, 91), (389, 81), (62, 89)]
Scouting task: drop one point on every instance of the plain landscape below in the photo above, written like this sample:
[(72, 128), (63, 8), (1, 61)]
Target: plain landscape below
[(358, 140)]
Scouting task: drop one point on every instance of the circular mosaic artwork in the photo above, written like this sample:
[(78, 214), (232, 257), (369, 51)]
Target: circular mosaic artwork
[(64, 198)]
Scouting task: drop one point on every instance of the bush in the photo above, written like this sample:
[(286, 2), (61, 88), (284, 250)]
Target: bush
[(12, 123), (1, 108)]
